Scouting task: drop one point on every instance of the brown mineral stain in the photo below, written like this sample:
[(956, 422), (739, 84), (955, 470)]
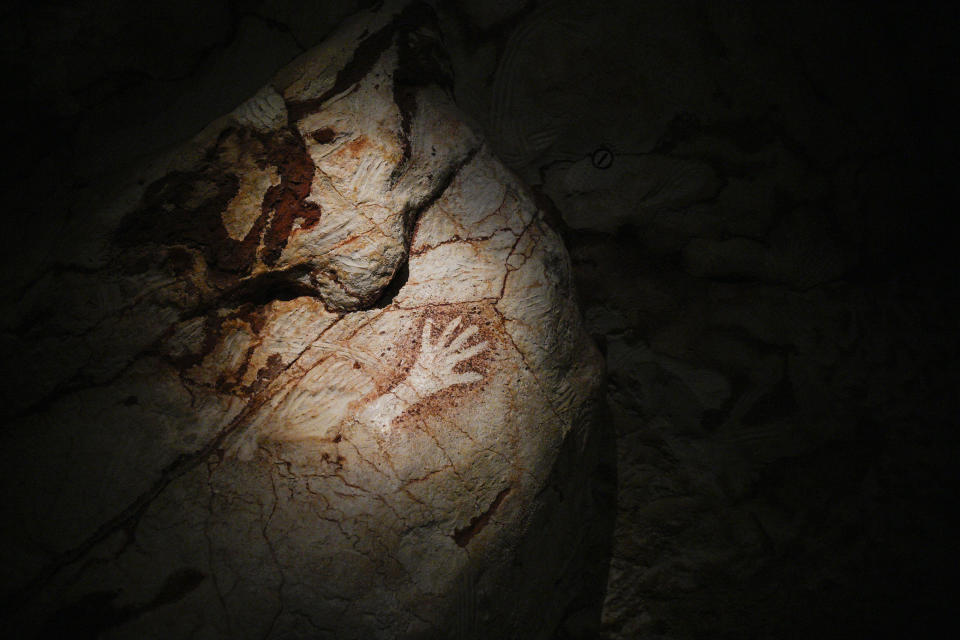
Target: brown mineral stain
[(186, 207), (324, 136), (266, 374), (287, 200), (215, 328), (357, 146)]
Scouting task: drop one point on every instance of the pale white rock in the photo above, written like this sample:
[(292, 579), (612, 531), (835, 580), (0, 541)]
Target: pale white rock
[(265, 111), (334, 383)]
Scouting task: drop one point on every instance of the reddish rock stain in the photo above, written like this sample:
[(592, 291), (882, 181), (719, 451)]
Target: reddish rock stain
[(186, 207), (287, 200)]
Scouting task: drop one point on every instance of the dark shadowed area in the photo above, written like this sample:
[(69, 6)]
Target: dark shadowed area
[(760, 204)]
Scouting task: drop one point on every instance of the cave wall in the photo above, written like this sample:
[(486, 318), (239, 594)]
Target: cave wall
[(755, 202)]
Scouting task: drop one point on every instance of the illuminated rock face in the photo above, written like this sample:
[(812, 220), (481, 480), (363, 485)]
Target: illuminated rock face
[(325, 378)]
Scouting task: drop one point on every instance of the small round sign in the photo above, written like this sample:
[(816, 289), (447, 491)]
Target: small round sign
[(602, 158)]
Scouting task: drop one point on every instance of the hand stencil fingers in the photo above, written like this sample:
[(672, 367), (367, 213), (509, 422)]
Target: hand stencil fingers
[(467, 353), (448, 330), (434, 368), (457, 342), (467, 378), (427, 331)]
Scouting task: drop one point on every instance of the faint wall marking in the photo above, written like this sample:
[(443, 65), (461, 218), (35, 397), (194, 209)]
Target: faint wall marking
[(433, 371), (326, 396), (602, 158)]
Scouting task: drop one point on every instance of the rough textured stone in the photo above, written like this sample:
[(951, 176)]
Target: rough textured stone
[(773, 304), (323, 377), (761, 209)]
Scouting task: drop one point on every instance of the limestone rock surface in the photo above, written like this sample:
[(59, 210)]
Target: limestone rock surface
[(317, 373), (760, 246)]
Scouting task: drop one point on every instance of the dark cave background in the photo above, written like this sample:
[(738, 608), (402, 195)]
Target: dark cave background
[(768, 262)]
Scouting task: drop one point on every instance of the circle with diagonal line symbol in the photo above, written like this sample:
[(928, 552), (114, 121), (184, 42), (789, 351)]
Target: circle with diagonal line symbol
[(602, 158)]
